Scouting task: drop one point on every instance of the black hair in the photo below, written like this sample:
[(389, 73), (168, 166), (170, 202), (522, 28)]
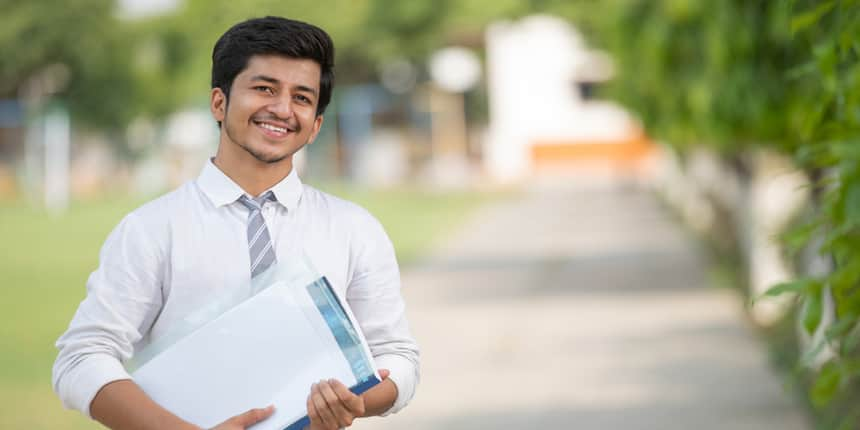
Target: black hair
[(273, 35)]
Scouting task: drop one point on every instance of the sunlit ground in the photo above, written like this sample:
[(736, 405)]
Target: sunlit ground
[(583, 309)]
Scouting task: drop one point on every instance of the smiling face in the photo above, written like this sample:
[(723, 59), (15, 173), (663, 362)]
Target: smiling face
[(271, 112)]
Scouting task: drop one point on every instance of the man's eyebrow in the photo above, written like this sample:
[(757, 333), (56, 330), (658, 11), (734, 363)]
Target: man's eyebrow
[(265, 78), (274, 81), (306, 89)]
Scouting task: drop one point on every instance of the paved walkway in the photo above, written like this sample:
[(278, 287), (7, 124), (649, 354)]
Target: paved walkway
[(582, 309)]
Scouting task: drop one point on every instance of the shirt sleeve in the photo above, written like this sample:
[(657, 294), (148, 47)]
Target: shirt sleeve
[(374, 297), (123, 299)]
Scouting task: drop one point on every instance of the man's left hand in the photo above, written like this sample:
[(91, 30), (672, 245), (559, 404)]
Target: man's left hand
[(332, 406)]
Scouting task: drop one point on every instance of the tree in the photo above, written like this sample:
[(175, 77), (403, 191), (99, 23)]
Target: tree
[(827, 85), (80, 46), (738, 75)]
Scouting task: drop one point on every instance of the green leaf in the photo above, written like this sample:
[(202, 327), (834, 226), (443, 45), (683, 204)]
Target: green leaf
[(826, 384), (811, 312), (815, 114), (852, 340), (806, 19), (796, 238), (852, 368), (835, 235), (801, 71), (840, 328), (797, 286), (852, 201), (813, 154), (846, 150), (844, 278)]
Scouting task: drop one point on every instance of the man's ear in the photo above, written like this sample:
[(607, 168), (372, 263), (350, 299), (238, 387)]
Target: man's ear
[(218, 104), (316, 129)]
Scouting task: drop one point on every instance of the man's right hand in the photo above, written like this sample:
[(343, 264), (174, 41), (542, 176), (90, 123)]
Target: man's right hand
[(247, 419)]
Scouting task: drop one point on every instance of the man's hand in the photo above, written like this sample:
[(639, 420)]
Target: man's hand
[(245, 420), (332, 406)]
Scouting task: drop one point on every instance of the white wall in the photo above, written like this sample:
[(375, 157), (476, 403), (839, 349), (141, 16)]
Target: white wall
[(533, 66)]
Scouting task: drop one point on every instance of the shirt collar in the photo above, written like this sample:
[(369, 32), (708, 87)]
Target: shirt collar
[(221, 190)]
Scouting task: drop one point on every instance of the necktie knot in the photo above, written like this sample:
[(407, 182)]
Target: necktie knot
[(255, 204)]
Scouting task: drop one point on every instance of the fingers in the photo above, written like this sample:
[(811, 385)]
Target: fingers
[(323, 412), (353, 402), (252, 416), (343, 415), (313, 414), (333, 405), (383, 373)]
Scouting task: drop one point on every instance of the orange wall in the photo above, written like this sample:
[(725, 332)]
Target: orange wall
[(626, 152)]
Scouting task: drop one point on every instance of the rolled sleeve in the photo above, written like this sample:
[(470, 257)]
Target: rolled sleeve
[(81, 383), (375, 299), (123, 299), (404, 374)]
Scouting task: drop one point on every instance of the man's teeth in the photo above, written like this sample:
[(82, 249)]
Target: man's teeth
[(273, 128)]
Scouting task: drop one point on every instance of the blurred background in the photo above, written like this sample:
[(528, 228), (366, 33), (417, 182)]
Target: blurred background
[(614, 214)]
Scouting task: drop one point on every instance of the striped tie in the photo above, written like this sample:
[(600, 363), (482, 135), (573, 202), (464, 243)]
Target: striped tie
[(259, 242)]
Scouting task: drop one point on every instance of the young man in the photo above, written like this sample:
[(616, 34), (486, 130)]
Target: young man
[(271, 81)]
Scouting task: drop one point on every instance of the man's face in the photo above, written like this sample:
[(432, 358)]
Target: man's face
[(271, 112)]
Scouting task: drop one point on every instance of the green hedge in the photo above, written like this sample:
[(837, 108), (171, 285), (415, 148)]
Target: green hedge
[(738, 75)]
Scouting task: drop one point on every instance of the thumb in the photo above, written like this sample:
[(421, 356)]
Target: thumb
[(383, 373), (253, 416)]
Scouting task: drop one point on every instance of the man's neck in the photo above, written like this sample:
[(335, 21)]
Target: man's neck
[(254, 177)]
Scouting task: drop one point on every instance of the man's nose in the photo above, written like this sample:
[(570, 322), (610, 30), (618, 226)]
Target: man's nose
[(282, 107)]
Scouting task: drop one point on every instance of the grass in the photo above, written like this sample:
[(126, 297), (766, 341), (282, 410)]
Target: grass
[(46, 260)]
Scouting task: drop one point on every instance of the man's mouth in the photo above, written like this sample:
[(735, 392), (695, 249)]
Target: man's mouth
[(273, 130)]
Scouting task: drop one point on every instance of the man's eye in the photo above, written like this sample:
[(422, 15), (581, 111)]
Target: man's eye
[(302, 98), (267, 90)]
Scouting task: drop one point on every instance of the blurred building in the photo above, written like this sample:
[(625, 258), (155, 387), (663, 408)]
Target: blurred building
[(538, 77), (541, 77)]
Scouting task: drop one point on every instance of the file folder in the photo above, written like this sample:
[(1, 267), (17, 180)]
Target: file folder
[(266, 348)]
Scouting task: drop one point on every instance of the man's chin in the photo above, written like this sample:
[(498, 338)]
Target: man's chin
[(267, 158), (270, 159)]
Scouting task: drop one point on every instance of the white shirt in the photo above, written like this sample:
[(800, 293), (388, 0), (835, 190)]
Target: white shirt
[(172, 255)]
